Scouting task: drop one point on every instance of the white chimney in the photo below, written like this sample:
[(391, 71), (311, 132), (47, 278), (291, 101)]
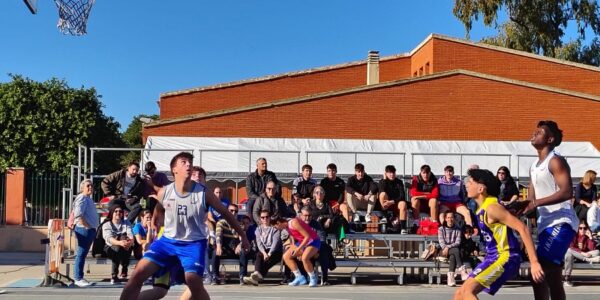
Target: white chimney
[(373, 67)]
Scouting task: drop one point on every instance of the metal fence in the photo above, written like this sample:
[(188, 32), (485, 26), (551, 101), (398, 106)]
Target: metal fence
[(2, 198), (43, 194)]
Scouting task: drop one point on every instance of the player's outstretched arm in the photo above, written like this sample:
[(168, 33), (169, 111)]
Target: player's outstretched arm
[(497, 213), (214, 202)]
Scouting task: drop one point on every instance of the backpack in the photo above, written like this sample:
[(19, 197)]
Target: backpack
[(99, 242)]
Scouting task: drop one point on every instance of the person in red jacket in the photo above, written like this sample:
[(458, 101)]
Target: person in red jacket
[(582, 248), (424, 192)]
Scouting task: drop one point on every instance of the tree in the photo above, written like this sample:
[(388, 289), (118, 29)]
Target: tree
[(538, 26), (133, 137), (42, 123)]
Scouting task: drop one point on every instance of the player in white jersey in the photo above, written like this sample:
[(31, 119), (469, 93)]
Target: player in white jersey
[(550, 191), (184, 239)]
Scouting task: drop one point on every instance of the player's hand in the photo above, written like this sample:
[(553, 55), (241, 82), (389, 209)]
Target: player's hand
[(536, 272), (529, 208), (219, 250)]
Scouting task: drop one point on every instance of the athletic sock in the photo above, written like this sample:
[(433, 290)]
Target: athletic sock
[(297, 274), (312, 275)]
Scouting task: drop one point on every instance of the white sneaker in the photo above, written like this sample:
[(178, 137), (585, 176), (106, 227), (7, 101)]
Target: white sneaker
[(82, 283), (464, 275), (256, 276), (356, 218), (383, 220), (403, 231), (451, 281), (368, 218)]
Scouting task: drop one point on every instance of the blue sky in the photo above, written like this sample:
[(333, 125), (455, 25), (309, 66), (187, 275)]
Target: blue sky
[(136, 50)]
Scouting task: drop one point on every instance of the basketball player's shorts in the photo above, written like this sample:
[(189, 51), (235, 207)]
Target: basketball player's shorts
[(553, 243), (315, 243), (167, 252), (493, 272)]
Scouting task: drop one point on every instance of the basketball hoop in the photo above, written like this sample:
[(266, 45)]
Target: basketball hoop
[(73, 15)]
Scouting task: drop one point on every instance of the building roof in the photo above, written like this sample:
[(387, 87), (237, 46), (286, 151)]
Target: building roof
[(434, 76), (385, 58)]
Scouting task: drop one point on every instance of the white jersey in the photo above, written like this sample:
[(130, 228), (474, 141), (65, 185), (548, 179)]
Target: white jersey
[(185, 215), (544, 185)]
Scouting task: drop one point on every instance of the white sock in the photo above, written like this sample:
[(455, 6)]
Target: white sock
[(312, 275), (297, 274)]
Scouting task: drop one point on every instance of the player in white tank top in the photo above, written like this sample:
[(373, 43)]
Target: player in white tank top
[(550, 192), (184, 238)]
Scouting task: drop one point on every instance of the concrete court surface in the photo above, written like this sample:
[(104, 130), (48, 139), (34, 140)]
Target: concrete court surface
[(274, 292)]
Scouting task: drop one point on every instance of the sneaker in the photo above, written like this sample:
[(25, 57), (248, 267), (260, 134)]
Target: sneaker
[(256, 276), (451, 281), (207, 279), (356, 218), (114, 281), (464, 275), (82, 283), (300, 280), (383, 220), (325, 283), (123, 276), (568, 283), (313, 282), (403, 231), (595, 259), (368, 218), (284, 281), (250, 280)]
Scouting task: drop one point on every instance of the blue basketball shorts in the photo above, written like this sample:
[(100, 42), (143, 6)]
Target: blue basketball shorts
[(167, 252)]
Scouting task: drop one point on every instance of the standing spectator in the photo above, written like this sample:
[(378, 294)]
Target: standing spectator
[(228, 245), (125, 188), (153, 182), (334, 189), (585, 194), (360, 193), (582, 248), (119, 240), (509, 192), (140, 232), (86, 222), (256, 183), (452, 195), (392, 198), (303, 185), (271, 202), (593, 217), (305, 245), (424, 191), (198, 175), (449, 236), (268, 242)]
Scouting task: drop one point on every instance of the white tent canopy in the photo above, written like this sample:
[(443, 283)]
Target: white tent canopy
[(286, 155)]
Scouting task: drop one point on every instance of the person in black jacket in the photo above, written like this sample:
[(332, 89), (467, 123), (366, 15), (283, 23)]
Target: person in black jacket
[(256, 183), (303, 185), (393, 198), (361, 192), (125, 188), (334, 189)]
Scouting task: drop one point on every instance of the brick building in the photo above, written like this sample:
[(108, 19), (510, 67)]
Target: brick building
[(429, 94)]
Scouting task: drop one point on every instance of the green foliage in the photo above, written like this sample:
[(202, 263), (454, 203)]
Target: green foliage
[(538, 26), (41, 124), (133, 138)]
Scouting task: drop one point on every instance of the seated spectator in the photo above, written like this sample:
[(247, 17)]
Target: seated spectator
[(271, 202), (198, 175), (304, 245), (228, 245), (213, 215), (118, 237), (582, 248), (449, 236), (141, 232), (452, 195), (126, 188), (468, 248), (321, 212), (392, 198), (593, 217), (303, 185), (256, 183), (509, 192), (270, 250), (361, 192), (153, 182), (585, 194), (424, 192), (334, 189)]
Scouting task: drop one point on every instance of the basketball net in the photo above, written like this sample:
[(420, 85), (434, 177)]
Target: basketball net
[(73, 15)]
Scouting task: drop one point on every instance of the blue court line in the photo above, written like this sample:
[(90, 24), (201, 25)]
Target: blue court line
[(25, 283)]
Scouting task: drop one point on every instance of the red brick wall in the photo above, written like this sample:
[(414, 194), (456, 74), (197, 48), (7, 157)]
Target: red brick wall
[(280, 88), (451, 55), (438, 109), (422, 60)]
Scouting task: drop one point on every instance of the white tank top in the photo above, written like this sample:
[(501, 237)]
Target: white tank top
[(185, 215), (544, 186)]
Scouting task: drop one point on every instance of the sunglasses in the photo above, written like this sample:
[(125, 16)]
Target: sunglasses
[(582, 228)]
